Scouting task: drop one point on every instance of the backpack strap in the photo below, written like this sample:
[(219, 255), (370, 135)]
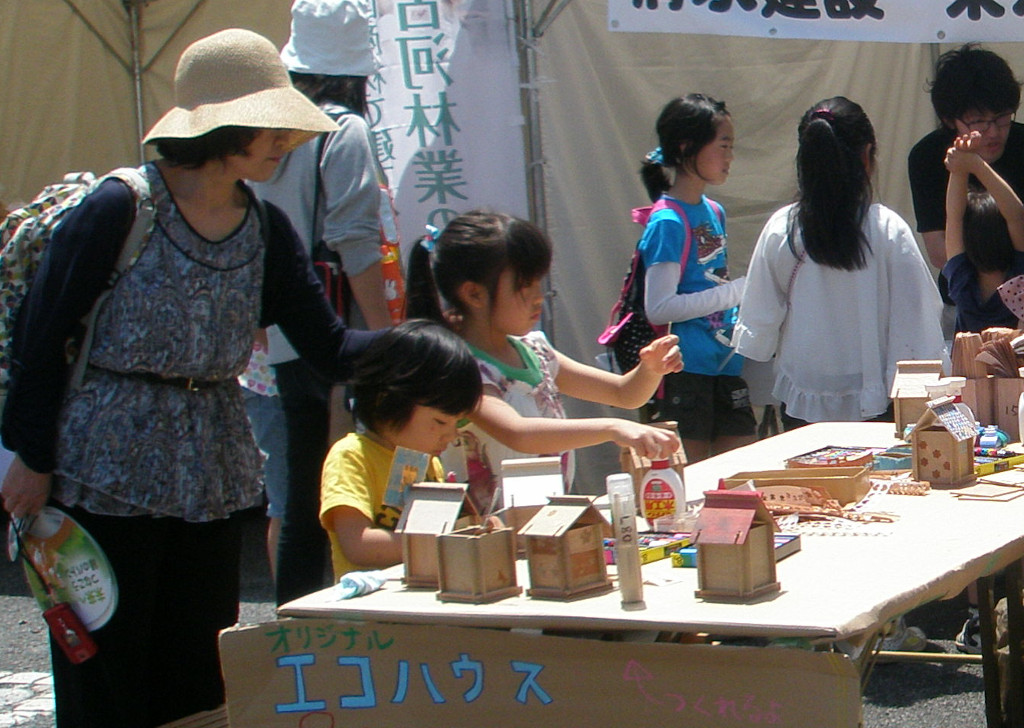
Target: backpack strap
[(138, 234)]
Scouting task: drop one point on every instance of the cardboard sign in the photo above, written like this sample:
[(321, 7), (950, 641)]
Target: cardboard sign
[(324, 673)]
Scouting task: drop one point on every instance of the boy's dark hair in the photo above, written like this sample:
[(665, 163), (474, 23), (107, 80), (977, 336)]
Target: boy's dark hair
[(834, 188), (691, 120), (349, 91), (476, 246), (970, 78), (222, 142), (415, 363), (987, 241)]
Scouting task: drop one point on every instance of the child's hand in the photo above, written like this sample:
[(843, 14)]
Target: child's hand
[(662, 356), (961, 157), (654, 443)]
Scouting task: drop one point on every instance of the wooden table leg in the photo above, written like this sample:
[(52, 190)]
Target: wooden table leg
[(989, 658), (1015, 629)]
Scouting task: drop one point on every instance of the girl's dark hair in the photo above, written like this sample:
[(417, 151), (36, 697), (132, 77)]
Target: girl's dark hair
[(834, 185), (685, 126), (222, 142), (476, 246), (987, 241), (348, 91), (415, 363)]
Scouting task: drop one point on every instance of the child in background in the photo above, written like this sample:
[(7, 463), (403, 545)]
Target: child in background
[(708, 398), (984, 238), (489, 267), (415, 382)]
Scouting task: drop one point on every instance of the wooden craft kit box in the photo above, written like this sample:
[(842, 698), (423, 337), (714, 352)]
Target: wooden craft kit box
[(846, 485), (477, 565), (565, 549)]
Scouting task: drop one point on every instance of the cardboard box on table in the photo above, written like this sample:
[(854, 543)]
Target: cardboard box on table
[(324, 672), (430, 510), (565, 549), (909, 392), (637, 465), (943, 445), (735, 537), (477, 565), (845, 484), (979, 394), (1004, 408)]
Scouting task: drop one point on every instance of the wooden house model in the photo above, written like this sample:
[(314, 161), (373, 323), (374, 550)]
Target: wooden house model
[(565, 549), (477, 564), (735, 546), (909, 390), (942, 445), (430, 510)]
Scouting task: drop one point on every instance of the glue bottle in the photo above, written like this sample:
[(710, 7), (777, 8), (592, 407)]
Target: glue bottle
[(627, 550), (661, 493)]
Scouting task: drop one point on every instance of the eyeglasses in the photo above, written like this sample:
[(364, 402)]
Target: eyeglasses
[(983, 125)]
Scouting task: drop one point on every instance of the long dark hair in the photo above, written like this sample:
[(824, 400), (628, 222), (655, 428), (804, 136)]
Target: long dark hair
[(349, 91), (685, 126), (476, 246), (987, 241), (834, 184)]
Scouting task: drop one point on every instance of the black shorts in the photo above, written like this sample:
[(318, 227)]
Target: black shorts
[(707, 407)]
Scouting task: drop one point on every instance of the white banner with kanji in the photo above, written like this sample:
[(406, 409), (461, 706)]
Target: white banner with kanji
[(445, 110), (898, 21)]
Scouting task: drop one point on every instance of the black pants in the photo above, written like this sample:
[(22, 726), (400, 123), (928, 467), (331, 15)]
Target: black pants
[(158, 659), (302, 545)]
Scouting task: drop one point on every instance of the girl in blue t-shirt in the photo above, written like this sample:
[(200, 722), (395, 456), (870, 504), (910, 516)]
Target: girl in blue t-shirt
[(984, 239), (708, 399)]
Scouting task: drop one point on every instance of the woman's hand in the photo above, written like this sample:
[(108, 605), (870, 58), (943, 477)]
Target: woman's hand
[(654, 443), (24, 491), (662, 356)]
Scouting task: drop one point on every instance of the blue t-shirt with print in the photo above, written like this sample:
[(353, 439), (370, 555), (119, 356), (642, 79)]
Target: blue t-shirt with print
[(700, 339)]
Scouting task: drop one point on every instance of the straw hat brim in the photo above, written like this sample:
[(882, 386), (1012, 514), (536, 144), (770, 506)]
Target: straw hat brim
[(274, 108)]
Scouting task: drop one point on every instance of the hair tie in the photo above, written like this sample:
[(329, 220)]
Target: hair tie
[(655, 156), (429, 239), (825, 114)]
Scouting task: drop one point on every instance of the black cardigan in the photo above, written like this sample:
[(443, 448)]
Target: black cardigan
[(77, 266)]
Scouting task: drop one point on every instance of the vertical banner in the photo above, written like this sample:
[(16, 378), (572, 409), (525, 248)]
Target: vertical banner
[(445, 110)]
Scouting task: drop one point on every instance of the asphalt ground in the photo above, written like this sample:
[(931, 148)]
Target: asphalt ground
[(898, 695)]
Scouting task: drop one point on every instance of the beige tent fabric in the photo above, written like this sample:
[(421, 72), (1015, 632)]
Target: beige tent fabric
[(69, 104), (600, 95), (69, 100)]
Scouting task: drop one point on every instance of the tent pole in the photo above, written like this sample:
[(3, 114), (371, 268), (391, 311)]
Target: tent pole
[(134, 23), (528, 36)]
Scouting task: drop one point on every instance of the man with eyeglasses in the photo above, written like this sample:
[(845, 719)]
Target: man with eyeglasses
[(973, 90)]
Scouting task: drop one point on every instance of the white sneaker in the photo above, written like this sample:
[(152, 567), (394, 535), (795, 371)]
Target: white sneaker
[(902, 638)]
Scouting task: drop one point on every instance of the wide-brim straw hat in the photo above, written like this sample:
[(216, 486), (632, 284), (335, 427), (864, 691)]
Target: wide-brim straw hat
[(235, 78)]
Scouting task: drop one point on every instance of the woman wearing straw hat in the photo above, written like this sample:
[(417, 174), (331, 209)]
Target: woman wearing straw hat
[(152, 454)]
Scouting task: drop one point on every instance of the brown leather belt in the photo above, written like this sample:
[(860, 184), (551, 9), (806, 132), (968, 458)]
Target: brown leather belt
[(189, 383)]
